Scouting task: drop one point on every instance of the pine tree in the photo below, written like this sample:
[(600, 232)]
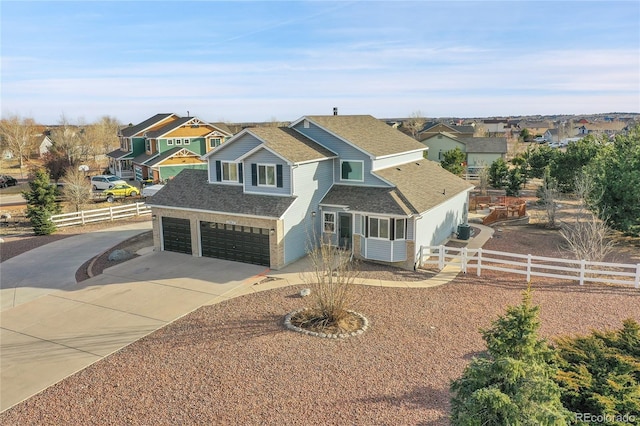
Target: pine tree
[(41, 203), (600, 373), (513, 383)]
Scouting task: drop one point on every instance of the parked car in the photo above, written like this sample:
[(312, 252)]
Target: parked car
[(105, 181), (120, 190), (540, 139), (6, 180), (150, 190), (554, 145)]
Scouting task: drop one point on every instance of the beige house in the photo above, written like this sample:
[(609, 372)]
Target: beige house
[(481, 152)]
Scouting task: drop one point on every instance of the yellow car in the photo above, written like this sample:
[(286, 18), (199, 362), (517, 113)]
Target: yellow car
[(120, 190)]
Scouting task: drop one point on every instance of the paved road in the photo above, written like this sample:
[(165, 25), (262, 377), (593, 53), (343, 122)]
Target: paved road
[(53, 266)]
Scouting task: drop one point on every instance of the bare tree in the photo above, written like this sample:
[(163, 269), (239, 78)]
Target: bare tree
[(104, 134), (70, 140), (19, 136), (77, 188), (483, 176), (548, 194), (588, 237), (414, 123), (331, 279)]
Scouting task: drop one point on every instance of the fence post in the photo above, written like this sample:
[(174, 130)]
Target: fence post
[(528, 267), (463, 259), (583, 265), (420, 254), (82, 216), (441, 257), (638, 275), (479, 262), (110, 213), (137, 209)]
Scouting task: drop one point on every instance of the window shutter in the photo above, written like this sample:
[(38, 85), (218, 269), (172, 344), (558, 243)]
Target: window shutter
[(254, 174), (279, 175), (218, 171), (392, 230), (240, 176), (366, 226)]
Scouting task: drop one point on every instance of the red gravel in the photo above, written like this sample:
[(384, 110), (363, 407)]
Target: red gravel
[(235, 363)]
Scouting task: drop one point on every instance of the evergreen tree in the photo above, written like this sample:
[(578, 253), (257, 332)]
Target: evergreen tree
[(453, 161), (498, 173), (41, 203), (600, 374), (515, 180), (513, 383)]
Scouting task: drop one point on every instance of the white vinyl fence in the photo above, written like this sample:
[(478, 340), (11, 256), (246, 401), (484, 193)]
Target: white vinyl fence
[(98, 215), (531, 266)]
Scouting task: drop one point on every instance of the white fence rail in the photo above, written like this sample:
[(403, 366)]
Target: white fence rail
[(531, 266), (108, 213)]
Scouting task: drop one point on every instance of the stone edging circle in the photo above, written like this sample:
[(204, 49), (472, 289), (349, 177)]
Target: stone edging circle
[(289, 326)]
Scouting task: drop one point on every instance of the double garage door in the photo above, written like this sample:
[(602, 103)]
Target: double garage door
[(220, 240), (234, 242)]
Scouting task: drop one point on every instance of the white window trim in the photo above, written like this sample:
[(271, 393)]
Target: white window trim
[(351, 161), (325, 222), (222, 164), (169, 142), (214, 142), (388, 229), (275, 177), (187, 141), (178, 141)]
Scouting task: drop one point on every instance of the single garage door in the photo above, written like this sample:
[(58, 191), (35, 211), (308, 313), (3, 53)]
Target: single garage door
[(176, 235), (234, 242)]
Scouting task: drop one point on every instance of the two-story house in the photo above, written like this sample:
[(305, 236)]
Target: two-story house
[(480, 152), (270, 192), (163, 145)]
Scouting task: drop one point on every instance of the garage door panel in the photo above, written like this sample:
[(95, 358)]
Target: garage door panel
[(176, 235), (234, 242)]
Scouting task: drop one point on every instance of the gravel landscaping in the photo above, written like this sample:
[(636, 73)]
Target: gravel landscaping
[(236, 363)]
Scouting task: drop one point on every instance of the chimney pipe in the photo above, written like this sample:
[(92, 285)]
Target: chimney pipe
[(335, 110)]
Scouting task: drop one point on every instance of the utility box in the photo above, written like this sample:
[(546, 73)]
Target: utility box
[(464, 231)]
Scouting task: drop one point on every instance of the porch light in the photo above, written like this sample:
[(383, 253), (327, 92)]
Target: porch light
[(313, 214), (272, 231)]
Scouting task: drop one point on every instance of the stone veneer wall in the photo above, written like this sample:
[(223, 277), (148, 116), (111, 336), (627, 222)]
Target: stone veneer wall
[(276, 241)]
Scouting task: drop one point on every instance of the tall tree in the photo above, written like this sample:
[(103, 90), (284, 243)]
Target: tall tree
[(565, 167), (453, 161), (616, 176), (19, 135), (499, 174), (41, 203), (415, 123), (77, 188), (513, 383)]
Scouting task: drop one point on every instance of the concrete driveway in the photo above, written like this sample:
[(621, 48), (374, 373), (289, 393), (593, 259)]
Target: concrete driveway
[(56, 334)]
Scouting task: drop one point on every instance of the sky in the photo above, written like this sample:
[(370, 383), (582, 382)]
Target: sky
[(246, 61)]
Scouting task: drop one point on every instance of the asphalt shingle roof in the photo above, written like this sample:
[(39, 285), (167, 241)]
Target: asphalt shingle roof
[(290, 144), (368, 199), (190, 189), (118, 153), (134, 130), (168, 127), (489, 145), (368, 133)]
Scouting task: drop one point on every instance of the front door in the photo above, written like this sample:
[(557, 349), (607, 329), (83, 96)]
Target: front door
[(344, 230)]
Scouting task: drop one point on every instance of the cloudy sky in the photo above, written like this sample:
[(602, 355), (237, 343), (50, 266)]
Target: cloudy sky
[(261, 61)]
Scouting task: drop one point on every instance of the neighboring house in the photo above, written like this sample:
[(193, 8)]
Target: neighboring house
[(270, 191), (552, 135), (163, 145), (495, 126), (44, 146), (433, 128), (480, 152)]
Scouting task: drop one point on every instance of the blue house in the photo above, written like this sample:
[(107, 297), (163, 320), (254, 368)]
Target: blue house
[(268, 191)]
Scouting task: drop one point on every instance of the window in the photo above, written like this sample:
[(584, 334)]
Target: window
[(147, 145), (229, 172), (214, 142), (440, 155), (266, 175), (329, 223), (187, 141), (169, 141), (352, 170), (178, 141), (378, 228), (305, 124), (400, 229)]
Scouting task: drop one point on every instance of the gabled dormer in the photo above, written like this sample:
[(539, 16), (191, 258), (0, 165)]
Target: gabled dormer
[(132, 137), (363, 145)]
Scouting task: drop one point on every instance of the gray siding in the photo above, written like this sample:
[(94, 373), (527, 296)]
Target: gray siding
[(344, 151), (310, 183), (263, 156), (231, 152)]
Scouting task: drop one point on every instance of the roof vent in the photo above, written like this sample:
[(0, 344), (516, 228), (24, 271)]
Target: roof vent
[(398, 169), (417, 164)]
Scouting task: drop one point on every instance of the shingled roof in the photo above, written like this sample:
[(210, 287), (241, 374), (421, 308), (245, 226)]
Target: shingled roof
[(190, 190), (488, 145), (134, 130), (290, 144), (368, 199), (368, 133)]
